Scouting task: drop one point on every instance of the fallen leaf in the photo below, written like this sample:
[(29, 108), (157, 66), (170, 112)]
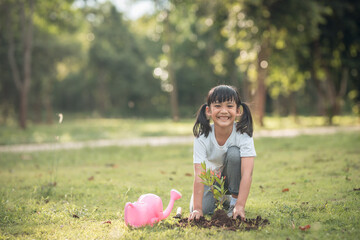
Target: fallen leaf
[(91, 178), (112, 165), (285, 190), (107, 222), (52, 184), (188, 174), (303, 228)]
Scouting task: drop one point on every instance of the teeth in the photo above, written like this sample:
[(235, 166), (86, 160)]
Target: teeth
[(224, 117)]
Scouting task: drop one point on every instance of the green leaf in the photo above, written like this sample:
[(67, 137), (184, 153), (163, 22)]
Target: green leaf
[(218, 181), (218, 188), (203, 165)]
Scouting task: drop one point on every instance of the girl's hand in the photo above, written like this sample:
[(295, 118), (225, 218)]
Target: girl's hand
[(196, 214), (239, 211)]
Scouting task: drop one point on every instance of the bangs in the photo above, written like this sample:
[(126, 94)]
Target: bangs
[(223, 93)]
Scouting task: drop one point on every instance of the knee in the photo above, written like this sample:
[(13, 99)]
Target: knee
[(233, 155)]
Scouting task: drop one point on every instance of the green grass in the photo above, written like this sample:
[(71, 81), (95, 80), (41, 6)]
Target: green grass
[(83, 129), (40, 192)]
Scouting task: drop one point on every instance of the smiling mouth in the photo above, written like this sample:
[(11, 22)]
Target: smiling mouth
[(223, 117)]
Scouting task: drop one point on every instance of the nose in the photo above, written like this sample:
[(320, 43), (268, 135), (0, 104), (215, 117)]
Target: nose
[(223, 109)]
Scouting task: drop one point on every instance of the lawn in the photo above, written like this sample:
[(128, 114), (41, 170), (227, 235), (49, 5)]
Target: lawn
[(74, 128), (71, 194)]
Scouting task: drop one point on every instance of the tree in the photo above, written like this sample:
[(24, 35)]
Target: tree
[(194, 52), (119, 71), (335, 55), (21, 44), (34, 47), (260, 30)]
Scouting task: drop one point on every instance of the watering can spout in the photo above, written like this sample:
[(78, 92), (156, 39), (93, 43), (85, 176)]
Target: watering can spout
[(174, 195)]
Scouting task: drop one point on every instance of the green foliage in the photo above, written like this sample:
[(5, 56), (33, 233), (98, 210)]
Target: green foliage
[(90, 58), (216, 183), (116, 76)]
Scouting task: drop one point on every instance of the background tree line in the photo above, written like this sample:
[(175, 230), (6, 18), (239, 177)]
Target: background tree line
[(285, 56)]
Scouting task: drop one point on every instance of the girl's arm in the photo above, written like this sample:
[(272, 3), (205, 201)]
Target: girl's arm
[(247, 166), (198, 191)]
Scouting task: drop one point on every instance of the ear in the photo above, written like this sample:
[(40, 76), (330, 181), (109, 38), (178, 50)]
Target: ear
[(208, 112)]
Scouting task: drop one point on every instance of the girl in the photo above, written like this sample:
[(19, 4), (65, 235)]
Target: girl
[(227, 147)]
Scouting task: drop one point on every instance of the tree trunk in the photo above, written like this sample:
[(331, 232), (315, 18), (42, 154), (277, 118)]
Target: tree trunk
[(293, 107), (245, 88), (47, 103), (331, 96), (37, 108), (335, 97), (22, 86), (23, 108), (321, 93), (262, 72), (321, 102), (233, 70), (343, 88), (173, 93), (171, 70), (102, 99)]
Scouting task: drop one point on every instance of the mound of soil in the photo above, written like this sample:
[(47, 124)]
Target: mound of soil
[(221, 220)]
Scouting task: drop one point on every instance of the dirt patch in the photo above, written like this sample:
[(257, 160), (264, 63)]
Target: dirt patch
[(221, 220)]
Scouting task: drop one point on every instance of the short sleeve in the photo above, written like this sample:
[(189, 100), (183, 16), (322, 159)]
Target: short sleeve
[(247, 148), (199, 151)]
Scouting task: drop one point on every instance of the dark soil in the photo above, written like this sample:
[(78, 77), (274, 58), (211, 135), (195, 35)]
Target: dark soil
[(221, 220)]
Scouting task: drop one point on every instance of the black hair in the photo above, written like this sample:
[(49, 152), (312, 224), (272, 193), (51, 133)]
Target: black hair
[(221, 94)]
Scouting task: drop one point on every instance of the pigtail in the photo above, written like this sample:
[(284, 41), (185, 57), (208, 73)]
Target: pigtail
[(246, 122), (202, 124)]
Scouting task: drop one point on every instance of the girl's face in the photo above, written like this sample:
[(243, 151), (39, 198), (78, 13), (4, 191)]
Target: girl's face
[(223, 114)]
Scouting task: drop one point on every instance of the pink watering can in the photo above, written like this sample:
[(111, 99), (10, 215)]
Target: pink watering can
[(148, 209)]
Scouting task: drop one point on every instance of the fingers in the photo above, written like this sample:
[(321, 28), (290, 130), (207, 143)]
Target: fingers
[(195, 215), (239, 212), (242, 217)]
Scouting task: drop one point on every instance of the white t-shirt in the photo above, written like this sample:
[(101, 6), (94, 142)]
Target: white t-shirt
[(207, 148)]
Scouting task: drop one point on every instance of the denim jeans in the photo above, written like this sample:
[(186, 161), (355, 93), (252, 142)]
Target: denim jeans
[(232, 171)]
